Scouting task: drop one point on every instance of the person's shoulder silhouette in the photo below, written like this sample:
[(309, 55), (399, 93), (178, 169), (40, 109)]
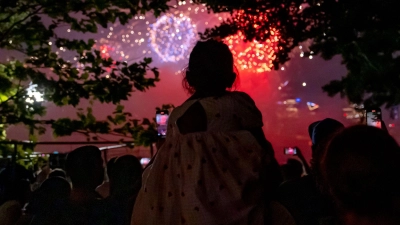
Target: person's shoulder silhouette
[(360, 169)]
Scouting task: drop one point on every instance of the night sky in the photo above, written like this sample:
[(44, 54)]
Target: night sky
[(283, 126)]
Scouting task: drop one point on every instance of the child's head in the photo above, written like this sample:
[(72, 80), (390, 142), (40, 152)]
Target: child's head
[(210, 68)]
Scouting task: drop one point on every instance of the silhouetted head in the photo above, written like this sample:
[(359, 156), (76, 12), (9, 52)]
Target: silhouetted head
[(56, 186), (292, 169), (125, 172), (14, 184), (110, 165), (84, 166), (57, 173), (320, 133), (211, 68), (361, 170), (52, 191)]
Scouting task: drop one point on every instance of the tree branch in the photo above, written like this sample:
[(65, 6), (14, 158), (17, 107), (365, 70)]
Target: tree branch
[(7, 18), (118, 134), (18, 22)]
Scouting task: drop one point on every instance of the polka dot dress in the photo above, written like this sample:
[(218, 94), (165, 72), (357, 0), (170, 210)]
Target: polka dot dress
[(211, 177)]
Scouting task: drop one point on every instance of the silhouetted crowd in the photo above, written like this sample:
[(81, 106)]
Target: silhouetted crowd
[(217, 167), (353, 179), (70, 196)]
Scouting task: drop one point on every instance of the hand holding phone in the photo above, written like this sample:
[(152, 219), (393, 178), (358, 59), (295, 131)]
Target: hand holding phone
[(162, 122), (290, 151), (295, 151), (374, 117)]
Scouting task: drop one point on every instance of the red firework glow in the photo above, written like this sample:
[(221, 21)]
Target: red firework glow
[(254, 56), (105, 51)]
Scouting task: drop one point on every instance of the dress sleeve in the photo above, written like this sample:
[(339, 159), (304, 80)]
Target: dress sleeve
[(247, 111), (171, 129)]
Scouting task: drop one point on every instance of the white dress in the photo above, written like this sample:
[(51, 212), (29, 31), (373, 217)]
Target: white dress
[(212, 177)]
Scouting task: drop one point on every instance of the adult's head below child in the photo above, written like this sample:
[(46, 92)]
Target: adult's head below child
[(321, 132), (84, 166), (211, 69), (361, 170)]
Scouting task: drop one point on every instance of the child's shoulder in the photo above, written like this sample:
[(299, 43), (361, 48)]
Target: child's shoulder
[(241, 96), (246, 109)]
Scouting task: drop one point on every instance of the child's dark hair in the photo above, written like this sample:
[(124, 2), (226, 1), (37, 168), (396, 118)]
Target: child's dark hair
[(210, 69)]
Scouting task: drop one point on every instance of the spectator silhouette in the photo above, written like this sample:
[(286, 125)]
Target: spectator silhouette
[(57, 173), (125, 176), (48, 202), (321, 133), (292, 170), (14, 193), (365, 186), (303, 197), (84, 167), (104, 188), (41, 176), (216, 166)]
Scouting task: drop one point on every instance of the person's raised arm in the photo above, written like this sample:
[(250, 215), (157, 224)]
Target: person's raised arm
[(303, 160)]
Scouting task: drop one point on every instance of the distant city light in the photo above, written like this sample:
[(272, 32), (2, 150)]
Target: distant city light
[(312, 106), (33, 94)]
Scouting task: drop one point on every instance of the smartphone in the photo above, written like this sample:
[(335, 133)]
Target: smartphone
[(290, 151), (374, 117), (145, 161), (162, 122)]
